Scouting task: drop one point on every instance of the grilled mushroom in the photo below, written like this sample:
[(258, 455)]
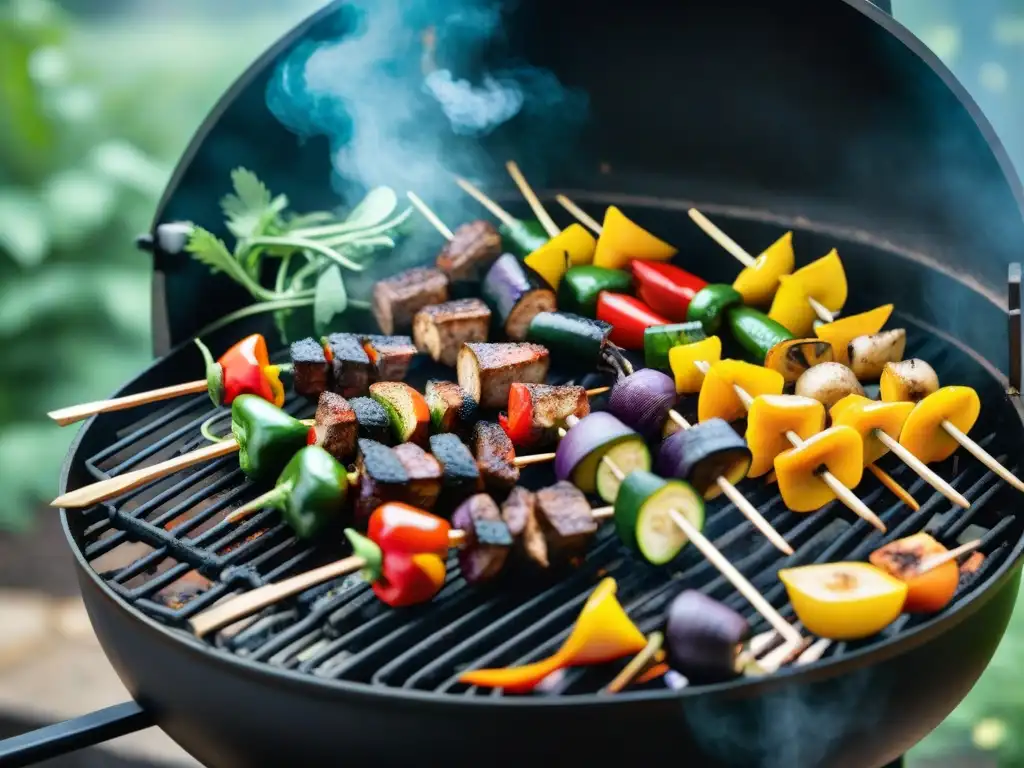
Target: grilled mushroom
[(910, 380), (869, 354), (828, 383)]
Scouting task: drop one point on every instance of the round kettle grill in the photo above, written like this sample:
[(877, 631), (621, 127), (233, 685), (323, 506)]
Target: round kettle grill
[(825, 118)]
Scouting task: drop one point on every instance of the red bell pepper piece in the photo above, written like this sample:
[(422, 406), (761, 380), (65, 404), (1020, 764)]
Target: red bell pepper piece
[(409, 579), (244, 369), (629, 318), (666, 288), (414, 547), (519, 423)]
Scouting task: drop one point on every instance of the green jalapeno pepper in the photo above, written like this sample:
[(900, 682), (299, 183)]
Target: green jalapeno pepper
[(755, 331), (580, 287), (267, 436), (525, 237), (709, 304), (659, 339), (310, 492)]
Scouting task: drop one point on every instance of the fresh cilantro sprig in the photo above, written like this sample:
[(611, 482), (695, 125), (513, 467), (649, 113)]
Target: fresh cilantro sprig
[(312, 248)]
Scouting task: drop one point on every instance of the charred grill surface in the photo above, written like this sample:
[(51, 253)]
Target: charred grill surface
[(166, 550)]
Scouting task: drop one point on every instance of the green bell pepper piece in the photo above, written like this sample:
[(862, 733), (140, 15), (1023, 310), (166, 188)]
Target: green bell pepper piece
[(755, 331), (580, 287), (310, 492), (659, 339), (525, 237), (573, 336), (267, 436), (709, 305)]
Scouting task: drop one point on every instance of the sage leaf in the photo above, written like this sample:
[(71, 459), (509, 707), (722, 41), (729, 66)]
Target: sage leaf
[(330, 298)]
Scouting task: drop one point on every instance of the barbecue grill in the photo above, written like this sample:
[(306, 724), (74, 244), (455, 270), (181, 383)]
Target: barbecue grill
[(826, 118)]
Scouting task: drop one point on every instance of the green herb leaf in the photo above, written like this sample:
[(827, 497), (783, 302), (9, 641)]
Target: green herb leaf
[(331, 298), (251, 210), (379, 203), (211, 251)]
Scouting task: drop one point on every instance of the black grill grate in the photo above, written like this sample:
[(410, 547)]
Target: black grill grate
[(165, 549)]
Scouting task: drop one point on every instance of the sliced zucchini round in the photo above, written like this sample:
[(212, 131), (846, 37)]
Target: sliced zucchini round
[(628, 455), (642, 516)]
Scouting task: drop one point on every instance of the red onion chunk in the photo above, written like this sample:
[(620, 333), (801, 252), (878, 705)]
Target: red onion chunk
[(642, 400), (704, 452), (704, 637), (591, 433)]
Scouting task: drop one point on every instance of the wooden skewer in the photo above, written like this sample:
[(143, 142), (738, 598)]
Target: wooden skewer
[(844, 494), (496, 210), (246, 604), (982, 455), (582, 216), (922, 470), (934, 561), (430, 216), (74, 413), (637, 664), (531, 197), (895, 488), (744, 258)]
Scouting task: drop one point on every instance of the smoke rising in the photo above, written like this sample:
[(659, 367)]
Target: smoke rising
[(404, 100)]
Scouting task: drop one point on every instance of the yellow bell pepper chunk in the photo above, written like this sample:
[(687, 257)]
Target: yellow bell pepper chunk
[(573, 247), (602, 633), (923, 434), (841, 332), (825, 280), (622, 240), (770, 417), (866, 416), (838, 449), (758, 283), (718, 397), (682, 358), (791, 309), (844, 601)]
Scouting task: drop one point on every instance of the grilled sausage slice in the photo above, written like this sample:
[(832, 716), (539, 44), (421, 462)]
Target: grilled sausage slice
[(520, 515), (487, 371), (335, 428), (565, 517), (425, 475), (495, 455), (470, 253), (440, 330), (352, 371), (390, 356), (488, 541), (397, 299), (311, 373)]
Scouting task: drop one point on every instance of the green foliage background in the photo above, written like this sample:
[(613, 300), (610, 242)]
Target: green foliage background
[(96, 107)]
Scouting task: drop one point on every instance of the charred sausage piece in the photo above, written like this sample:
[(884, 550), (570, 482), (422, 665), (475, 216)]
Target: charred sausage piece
[(451, 408), (461, 475), (520, 515), (565, 517), (425, 475), (372, 419), (382, 478), (487, 540), (487, 371), (495, 455), (390, 356), (470, 253), (352, 371), (311, 373), (440, 330), (397, 299), (335, 427)]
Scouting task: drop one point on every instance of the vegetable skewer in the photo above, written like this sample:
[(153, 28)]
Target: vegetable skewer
[(843, 493), (539, 211)]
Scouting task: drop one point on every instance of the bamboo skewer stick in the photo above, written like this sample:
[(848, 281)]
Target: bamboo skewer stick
[(934, 561), (637, 664), (496, 210), (74, 413), (744, 258), (581, 216), (531, 197), (982, 455), (897, 490), (430, 216), (923, 470), (248, 603), (844, 494)]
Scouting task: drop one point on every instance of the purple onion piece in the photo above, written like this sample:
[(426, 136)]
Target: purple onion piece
[(487, 538), (704, 637), (589, 434), (643, 400), (701, 453)]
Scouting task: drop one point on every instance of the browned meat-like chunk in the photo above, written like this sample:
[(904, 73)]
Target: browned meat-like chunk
[(353, 372), (488, 371), (495, 455), (310, 370), (390, 355), (566, 519), (425, 472), (487, 541), (552, 405), (520, 515), (440, 330), (397, 299), (382, 478), (471, 252), (335, 427)]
